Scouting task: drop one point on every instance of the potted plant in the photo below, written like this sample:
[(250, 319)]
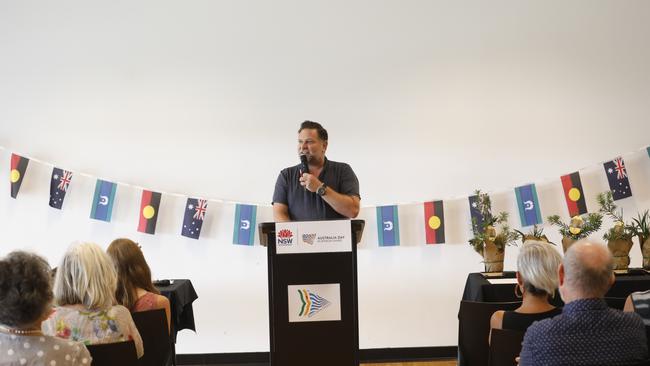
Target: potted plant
[(536, 233), (580, 227), (619, 237), (641, 226), (492, 236)]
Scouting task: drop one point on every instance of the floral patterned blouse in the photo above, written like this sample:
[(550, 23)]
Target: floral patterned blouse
[(93, 327)]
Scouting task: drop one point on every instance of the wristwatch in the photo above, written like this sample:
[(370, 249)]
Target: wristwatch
[(321, 189)]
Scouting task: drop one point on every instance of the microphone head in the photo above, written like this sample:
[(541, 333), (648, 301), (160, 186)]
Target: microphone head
[(304, 166)]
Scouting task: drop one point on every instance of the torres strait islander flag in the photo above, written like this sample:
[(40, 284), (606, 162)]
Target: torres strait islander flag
[(573, 194), (103, 200), (529, 211), (149, 205), (59, 186), (195, 210), (18, 169), (387, 226), (434, 222), (475, 214), (619, 183), (244, 228)]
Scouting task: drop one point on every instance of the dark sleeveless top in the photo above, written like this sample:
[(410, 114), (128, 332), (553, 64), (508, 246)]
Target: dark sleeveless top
[(521, 322)]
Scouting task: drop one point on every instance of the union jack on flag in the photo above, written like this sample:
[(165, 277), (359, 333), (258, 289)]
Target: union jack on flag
[(64, 180), (617, 178), (201, 207), (620, 168)]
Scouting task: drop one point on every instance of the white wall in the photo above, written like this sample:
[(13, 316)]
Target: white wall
[(425, 99)]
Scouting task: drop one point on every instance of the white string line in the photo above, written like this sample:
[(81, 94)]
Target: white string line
[(543, 182)]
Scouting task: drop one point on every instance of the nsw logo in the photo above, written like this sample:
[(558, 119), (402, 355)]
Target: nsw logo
[(308, 238), (285, 237)]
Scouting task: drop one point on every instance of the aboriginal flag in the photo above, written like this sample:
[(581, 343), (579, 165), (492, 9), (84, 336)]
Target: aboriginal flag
[(18, 168), (434, 222), (573, 194), (149, 205)]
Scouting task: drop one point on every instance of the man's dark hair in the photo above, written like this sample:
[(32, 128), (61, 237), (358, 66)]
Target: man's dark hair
[(311, 125), (25, 289)]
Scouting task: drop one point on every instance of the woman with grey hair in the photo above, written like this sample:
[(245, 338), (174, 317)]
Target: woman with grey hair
[(25, 301), (537, 280), (84, 292)]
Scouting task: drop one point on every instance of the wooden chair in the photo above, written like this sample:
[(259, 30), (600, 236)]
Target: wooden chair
[(152, 326), (111, 354), (474, 329), (505, 345)]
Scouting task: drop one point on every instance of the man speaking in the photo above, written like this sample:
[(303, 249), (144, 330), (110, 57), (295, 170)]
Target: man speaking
[(316, 189)]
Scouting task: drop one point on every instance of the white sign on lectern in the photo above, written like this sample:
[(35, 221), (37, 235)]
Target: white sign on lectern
[(313, 237)]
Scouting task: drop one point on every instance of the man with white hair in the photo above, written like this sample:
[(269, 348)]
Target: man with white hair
[(587, 332)]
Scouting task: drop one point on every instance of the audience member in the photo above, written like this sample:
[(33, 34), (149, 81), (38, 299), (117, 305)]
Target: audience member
[(25, 301), (639, 302), (587, 332), (84, 292), (537, 280), (135, 289)]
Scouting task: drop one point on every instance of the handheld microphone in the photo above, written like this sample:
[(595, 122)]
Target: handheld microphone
[(304, 166)]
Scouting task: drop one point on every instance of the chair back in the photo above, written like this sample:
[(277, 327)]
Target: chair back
[(111, 354), (474, 329), (505, 345), (152, 326), (615, 302)]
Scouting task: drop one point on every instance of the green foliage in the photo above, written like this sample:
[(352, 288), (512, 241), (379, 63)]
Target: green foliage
[(621, 230), (641, 225), (592, 223), (536, 233), (504, 236)]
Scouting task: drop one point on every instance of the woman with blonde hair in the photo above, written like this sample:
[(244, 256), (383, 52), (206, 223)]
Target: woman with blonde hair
[(84, 292), (25, 302), (537, 280), (135, 290)]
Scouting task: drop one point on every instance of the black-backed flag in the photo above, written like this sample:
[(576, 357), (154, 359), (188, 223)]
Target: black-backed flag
[(18, 169), (149, 205), (619, 183), (434, 222), (193, 220), (573, 194), (59, 186)]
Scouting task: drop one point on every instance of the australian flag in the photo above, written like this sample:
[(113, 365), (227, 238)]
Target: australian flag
[(194, 214), (475, 214), (59, 186), (619, 183)]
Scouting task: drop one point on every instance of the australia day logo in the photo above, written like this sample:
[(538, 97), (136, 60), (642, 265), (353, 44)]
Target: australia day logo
[(308, 238), (285, 237), (311, 303)]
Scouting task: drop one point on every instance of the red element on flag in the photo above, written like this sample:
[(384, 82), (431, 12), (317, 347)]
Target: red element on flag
[(573, 194), (620, 168), (434, 224), (201, 207), (64, 180)]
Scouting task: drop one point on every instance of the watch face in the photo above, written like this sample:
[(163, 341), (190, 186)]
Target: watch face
[(321, 190)]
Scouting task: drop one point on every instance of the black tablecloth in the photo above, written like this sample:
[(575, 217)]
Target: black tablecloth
[(181, 294), (477, 287)]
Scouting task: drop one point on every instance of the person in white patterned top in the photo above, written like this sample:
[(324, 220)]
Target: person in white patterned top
[(25, 301), (84, 292)]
